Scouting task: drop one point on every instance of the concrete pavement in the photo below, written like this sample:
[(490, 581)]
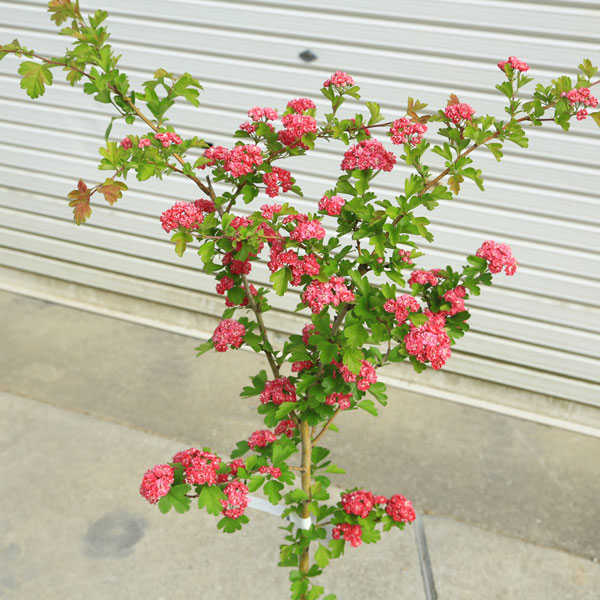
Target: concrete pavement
[(96, 401)]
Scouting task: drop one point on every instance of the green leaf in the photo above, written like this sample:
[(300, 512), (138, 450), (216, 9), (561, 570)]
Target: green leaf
[(202, 348), (352, 359), (255, 482), (280, 280), (210, 497), (178, 497), (181, 239), (334, 469), (337, 547), (207, 251), (241, 448), (322, 556), (282, 451), (477, 261), (587, 68), (355, 334), (596, 117), (249, 192), (35, 78), (369, 406), (496, 150), (284, 409), (272, 489), (417, 318), (229, 525)]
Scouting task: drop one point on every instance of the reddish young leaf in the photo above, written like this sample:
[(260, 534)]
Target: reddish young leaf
[(112, 190)]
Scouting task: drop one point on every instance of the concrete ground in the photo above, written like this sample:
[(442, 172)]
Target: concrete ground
[(89, 403)]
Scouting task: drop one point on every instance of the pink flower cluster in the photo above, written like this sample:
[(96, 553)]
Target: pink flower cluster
[(277, 178), (200, 466), (581, 96), (237, 499), (429, 342), (308, 330), (350, 533), (278, 391), (332, 206), (261, 438), (307, 265), (515, 63), (238, 161), (361, 502), (401, 306), (403, 131), (343, 400), (301, 105), (167, 138), (457, 112), (126, 143), (182, 214), (296, 125), (319, 294), (307, 230), (268, 211), (366, 376), (301, 365), (144, 143), (339, 80), (400, 509), (228, 332), (499, 256), (424, 277), (257, 113), (157, 483), (272, 471), (405, 256), (456, 299), (236, 267), (286, 427), (368, 154)]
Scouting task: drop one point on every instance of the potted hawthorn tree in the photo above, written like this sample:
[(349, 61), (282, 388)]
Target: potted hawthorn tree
[(367, 302)]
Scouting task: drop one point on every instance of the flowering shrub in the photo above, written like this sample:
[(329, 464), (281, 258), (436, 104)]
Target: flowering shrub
[(368, 305)]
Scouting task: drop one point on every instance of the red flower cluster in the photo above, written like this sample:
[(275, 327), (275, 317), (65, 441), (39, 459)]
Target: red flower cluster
[(457, 112), (261, 438), (157, 483), (167, 138), (301, 365), (456, 298), (350, 533), (499, 256), (400, 509), (581, 97), (366, 376), (308, 230), (228, 332), (296, 125), (319, 294), (368, 154), (402, 306), (332, 206), (238, 161), (278, 391), (307, 265), (405, 256), (277, 178), (339, 80), (268, 211), (429, 342), (424, 277), (200, 466), (182, 214), (300, 105), (515, 63), (257, 113), (343, 400), (402, 131), (286, 427), (273, 471), (237, 499)]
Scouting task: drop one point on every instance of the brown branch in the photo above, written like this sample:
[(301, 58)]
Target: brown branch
[(324, 430)]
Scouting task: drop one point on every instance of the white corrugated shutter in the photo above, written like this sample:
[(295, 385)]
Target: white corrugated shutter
[(536, 331)]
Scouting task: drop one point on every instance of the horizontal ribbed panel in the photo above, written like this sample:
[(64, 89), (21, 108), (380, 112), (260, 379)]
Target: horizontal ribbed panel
[(537, 330)]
